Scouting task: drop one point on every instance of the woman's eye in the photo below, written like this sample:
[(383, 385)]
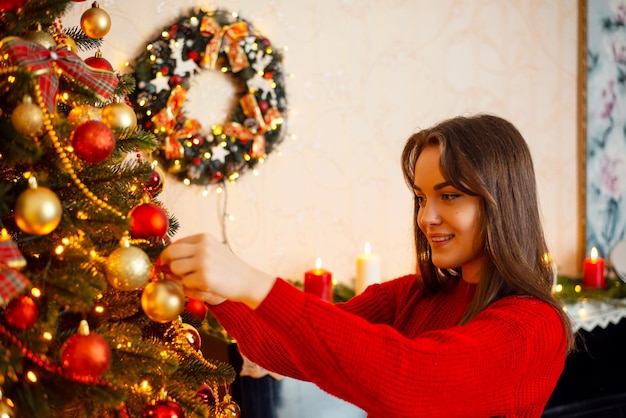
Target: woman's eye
[(420, 200), (450, 196)]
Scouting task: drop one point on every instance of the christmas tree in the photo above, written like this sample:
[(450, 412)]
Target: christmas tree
[(90, 326)]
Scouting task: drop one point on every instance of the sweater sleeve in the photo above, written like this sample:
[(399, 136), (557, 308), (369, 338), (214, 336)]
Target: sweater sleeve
[(508, 358), (262, 345)]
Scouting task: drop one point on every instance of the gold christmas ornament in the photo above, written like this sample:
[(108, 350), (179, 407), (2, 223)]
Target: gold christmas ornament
[(38, 210), (27, 117), (83, 113), (128, 267), (66, 42), (121, 118), (95, 22), (42, 38), (163, 300)]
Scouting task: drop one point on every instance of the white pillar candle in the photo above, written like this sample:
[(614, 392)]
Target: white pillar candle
[(367, 269)]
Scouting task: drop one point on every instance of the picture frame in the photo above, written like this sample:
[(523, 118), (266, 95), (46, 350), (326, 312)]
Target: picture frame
[(602, 124)]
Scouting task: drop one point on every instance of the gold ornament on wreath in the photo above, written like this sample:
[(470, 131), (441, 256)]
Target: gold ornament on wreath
[(209, 153)]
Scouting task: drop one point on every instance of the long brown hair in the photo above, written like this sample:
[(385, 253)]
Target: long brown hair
[(487, 157)]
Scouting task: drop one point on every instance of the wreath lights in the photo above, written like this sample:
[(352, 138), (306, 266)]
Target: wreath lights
[(198, 153)]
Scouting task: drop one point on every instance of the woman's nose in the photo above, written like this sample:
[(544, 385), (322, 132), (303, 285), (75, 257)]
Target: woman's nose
[(429, 214)]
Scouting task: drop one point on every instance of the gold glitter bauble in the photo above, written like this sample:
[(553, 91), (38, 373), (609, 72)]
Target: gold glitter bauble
[(121, 118), (42, 38), (66, 42), (163, 300), (83, 113), (95, 22), (128, 268), (27, 117), (38, 211)]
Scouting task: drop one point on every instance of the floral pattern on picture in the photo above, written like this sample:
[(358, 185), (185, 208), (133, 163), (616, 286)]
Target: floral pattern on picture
[(606, 125)]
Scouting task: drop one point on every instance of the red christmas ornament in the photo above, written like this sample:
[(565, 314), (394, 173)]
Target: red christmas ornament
[(21, 313), (197, 308), (98, 63), (10, 5), (205, 393), (191, 335), (148, 221), (163, 409), (93, 141), (85, 355), (155, 185)]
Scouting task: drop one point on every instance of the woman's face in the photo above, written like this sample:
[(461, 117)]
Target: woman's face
[(448, 218)]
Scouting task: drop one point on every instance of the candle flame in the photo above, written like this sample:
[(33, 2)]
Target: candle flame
[(318, 263), (367, 248), (594, 253)]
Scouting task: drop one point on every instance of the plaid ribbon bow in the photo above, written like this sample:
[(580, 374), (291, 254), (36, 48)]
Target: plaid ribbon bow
[(12, 282), (48, 63)]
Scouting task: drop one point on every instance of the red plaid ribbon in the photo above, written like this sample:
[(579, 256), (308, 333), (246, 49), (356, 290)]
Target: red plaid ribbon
[(12, 282), (10, 254), (45, 62)]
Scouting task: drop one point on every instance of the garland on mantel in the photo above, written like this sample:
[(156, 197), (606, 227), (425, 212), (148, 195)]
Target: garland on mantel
[(571, 290), (196, 152)]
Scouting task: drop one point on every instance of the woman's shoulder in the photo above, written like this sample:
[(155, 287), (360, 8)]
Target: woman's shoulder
[(525, 312)]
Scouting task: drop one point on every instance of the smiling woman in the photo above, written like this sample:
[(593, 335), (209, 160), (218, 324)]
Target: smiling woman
[(197, 152)]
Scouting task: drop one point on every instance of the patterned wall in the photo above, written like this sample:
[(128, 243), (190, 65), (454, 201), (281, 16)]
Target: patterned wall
[(366, 74)]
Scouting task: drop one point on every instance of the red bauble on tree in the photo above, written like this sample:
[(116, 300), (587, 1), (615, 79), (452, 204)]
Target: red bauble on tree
[(21, 313), (191, 335), (197, 308), (93, 141), (155, 184), (205, 393), (163, 409), (10, 5), (85, 355), (148, 220), (98, 63)]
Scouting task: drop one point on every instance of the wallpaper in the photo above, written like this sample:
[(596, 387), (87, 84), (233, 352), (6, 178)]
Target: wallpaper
[(363, 76)]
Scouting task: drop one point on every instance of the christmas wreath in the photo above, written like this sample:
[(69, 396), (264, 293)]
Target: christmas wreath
[(205, 154)]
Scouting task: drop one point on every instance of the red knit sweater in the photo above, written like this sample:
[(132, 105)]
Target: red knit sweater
[(393, 353)]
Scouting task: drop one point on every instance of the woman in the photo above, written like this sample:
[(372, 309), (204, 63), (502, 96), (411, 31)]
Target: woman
[(475, 332)]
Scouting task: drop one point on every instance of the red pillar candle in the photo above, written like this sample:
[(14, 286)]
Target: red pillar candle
[(319, 282), (593, 270)]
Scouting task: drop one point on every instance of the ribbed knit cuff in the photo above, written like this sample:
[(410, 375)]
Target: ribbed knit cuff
[(285, 304)]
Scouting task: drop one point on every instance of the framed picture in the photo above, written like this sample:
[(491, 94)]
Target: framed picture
[(602, 123)]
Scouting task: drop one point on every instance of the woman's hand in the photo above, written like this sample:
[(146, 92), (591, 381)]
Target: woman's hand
[(210, 271)]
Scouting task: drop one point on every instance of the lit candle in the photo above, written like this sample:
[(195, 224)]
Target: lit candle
[(319, 282), (593, 270), (367, 269)]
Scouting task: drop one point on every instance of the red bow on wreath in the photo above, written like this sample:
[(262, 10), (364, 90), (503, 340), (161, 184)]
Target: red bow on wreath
[(48, 63), (166, 119)]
